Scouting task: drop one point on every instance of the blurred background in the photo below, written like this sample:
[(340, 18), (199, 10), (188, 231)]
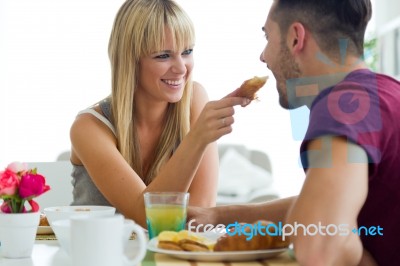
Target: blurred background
[(54, 63)]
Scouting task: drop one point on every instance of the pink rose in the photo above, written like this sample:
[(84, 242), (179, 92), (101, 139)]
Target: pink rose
[(9, 182), (18, 186), (18, 168), (32, 185)]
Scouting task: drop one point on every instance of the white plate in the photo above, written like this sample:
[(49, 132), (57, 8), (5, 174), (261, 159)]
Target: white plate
[(44, 230), (217, 255)]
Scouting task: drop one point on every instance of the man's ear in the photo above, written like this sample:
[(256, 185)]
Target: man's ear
[(296, 37)]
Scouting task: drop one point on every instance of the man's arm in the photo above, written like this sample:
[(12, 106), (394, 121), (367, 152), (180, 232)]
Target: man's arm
[(333, 193), (274, 210)]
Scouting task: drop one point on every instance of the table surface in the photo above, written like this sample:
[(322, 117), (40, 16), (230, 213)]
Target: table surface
[(49, 253)]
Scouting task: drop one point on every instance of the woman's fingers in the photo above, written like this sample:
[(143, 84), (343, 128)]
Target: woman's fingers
[(225, 121), (232, 100), (219, 115), (225, 106), (245, 101), (216, 119)]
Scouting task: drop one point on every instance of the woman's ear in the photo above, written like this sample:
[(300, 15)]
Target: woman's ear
[(296, 37)]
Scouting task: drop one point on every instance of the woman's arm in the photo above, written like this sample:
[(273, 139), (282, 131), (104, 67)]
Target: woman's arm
[(203, 190), (94, 146)]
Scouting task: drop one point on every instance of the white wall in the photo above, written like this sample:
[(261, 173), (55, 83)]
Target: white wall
[(386, 10), (54, 63)]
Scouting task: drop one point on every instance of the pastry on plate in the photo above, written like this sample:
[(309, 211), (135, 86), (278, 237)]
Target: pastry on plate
[(184, 240)]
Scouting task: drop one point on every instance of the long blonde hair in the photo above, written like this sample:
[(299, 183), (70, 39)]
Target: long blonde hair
[(138, 31)]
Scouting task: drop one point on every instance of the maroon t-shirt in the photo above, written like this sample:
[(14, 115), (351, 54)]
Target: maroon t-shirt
[(365, 109)]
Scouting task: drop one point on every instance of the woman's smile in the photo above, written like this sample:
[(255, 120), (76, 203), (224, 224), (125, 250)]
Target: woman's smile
[(173, 82)]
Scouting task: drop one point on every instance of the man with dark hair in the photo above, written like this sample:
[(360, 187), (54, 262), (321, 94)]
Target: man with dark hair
[(328, 21), (349, 206)]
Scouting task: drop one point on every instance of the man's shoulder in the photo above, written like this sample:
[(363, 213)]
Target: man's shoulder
[(369, 77)]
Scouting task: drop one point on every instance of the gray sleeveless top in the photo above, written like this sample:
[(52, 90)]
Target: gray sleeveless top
[(84, 190)]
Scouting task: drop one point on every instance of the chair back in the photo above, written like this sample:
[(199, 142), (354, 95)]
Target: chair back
[(58, 177)]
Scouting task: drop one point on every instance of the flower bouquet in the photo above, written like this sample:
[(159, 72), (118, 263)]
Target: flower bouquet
[(18, 224), (19, 185)]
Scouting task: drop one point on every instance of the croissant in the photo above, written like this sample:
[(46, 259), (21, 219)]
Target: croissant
[(249, 87)]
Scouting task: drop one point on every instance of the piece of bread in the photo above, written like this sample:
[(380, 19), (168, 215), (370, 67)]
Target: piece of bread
[(184, 240), (166, 240), (249, 87), (169, 245), (257, 242), (190, 245)]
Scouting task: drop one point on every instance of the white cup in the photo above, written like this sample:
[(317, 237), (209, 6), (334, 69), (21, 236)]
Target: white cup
[(99, 241)]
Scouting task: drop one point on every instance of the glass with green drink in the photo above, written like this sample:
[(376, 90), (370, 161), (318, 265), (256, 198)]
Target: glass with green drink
[(165, 211)]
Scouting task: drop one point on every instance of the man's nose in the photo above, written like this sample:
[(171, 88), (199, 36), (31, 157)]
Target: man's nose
[(262, 57)]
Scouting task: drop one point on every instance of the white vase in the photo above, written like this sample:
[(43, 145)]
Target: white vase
[(18, 233)]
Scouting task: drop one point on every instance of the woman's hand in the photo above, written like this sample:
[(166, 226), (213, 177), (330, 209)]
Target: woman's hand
[(216, 119), (235, 93)]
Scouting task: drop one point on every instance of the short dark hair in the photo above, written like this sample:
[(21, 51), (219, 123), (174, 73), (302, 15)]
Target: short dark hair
[(328, 20)]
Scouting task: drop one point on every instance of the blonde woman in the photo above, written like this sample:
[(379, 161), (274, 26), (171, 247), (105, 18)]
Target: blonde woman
[(157, 129)]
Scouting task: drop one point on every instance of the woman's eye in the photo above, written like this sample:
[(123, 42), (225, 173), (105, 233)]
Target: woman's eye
[(187, 52), (162, 56)]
